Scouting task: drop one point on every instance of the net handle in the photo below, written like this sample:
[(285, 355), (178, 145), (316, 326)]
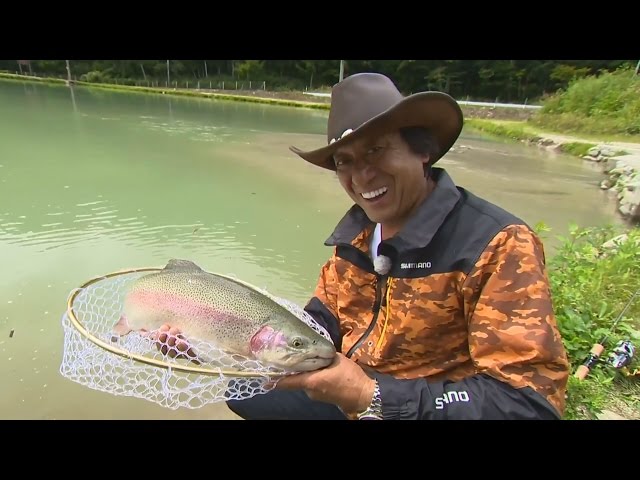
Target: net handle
[(141, 358)]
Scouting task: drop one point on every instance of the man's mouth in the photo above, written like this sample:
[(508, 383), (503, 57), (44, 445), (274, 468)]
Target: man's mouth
[(374, 194)]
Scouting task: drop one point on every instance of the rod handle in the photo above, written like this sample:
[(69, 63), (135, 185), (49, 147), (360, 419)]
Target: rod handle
[(584, 369)]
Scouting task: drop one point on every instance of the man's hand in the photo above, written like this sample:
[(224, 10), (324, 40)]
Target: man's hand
[(170, 342), (342, 383)]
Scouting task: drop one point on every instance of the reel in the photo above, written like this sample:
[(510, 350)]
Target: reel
[(622, 354)]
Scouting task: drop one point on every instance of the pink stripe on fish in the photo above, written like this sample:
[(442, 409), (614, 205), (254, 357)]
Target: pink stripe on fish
[(178, 304)]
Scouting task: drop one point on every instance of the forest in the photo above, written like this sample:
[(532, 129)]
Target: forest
[(511, 81)]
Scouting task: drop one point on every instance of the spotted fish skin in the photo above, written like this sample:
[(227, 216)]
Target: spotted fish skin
[(224, 312)]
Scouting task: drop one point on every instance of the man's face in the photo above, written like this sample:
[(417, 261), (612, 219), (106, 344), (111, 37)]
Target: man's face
[(383, 176)]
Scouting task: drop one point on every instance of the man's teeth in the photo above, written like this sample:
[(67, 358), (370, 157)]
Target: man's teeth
[(374, 193)]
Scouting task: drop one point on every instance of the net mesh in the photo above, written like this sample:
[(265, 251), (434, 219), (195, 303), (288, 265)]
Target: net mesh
[(162, 369)]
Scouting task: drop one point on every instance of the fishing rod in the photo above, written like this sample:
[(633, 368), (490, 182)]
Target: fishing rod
[(621, 355)]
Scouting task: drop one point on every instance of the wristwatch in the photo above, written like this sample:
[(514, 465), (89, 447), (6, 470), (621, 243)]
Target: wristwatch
[(374, 410)]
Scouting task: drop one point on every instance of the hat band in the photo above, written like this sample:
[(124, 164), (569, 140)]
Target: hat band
[(344, 134)]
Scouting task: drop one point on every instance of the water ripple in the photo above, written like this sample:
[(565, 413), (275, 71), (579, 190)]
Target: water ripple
[(103, 224), (89, 203)]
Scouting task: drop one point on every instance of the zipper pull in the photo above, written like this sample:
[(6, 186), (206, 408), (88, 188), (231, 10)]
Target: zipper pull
[(384, 301)]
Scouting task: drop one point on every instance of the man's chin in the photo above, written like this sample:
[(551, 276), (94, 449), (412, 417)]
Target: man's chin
[(375, 214)]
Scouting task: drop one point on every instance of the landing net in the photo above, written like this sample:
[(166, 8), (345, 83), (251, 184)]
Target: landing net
[(152, 368)]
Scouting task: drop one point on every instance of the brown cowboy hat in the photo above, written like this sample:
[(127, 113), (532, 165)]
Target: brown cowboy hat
[(370, 102)]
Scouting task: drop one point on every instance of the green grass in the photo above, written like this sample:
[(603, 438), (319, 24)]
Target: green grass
[(579, 149), (515, 130), (590, 286), (597, 108), (605, 104)]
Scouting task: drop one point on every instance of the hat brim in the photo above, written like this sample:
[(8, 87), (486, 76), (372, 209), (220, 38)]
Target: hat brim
[(435, 111)]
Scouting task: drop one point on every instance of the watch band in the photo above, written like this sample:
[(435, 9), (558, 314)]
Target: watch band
[(374, 410)]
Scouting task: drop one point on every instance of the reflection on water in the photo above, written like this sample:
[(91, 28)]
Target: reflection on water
[(95, 182)]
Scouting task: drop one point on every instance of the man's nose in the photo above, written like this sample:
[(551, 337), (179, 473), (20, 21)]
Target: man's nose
[(362, 174)]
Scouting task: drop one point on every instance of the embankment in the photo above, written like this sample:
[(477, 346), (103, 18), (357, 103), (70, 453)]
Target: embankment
[(623, 177)]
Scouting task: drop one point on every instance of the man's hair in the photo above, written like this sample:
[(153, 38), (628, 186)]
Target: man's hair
[(422, 142)]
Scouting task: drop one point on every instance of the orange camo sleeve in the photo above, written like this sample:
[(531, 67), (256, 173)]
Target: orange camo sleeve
[(513, 335)]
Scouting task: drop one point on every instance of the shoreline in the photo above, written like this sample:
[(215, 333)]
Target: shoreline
[(619, 162)]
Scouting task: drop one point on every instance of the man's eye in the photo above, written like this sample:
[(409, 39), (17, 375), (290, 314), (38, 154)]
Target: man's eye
[(374, 150)]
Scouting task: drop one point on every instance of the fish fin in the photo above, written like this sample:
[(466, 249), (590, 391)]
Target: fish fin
[(122, 326), (185, 265)]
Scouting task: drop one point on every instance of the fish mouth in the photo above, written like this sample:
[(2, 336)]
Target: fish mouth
[(300, 361), (310, 363)]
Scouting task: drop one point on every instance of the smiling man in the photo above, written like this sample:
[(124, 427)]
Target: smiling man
[(438, 301)]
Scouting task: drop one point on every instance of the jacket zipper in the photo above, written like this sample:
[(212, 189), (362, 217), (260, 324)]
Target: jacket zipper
[(376, 310)]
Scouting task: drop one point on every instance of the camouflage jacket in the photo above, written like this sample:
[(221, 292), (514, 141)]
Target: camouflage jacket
[(462, 326)]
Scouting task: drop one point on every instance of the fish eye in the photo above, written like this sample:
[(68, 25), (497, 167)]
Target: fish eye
[(297, 342)]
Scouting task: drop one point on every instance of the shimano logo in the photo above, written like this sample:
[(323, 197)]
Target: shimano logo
[(415, 265), (450, 397)]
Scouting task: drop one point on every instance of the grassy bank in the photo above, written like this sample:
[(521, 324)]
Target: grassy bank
[(592, 279), (174, 92), (524, 132), (596, 109), (606, 104)]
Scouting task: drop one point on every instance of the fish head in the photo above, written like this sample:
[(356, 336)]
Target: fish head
[(291, 345)]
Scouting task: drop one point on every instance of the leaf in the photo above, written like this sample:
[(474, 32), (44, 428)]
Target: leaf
[(603, 309)]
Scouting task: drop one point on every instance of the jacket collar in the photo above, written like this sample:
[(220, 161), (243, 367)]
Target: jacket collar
[(419, 229)]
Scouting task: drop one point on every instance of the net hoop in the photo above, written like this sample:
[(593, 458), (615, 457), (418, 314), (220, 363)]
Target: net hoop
[(151, 361)]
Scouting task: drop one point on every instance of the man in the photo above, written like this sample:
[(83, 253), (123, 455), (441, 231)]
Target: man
[(437, 300)]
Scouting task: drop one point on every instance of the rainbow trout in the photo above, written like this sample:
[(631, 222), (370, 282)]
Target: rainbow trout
[(224, 313)]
